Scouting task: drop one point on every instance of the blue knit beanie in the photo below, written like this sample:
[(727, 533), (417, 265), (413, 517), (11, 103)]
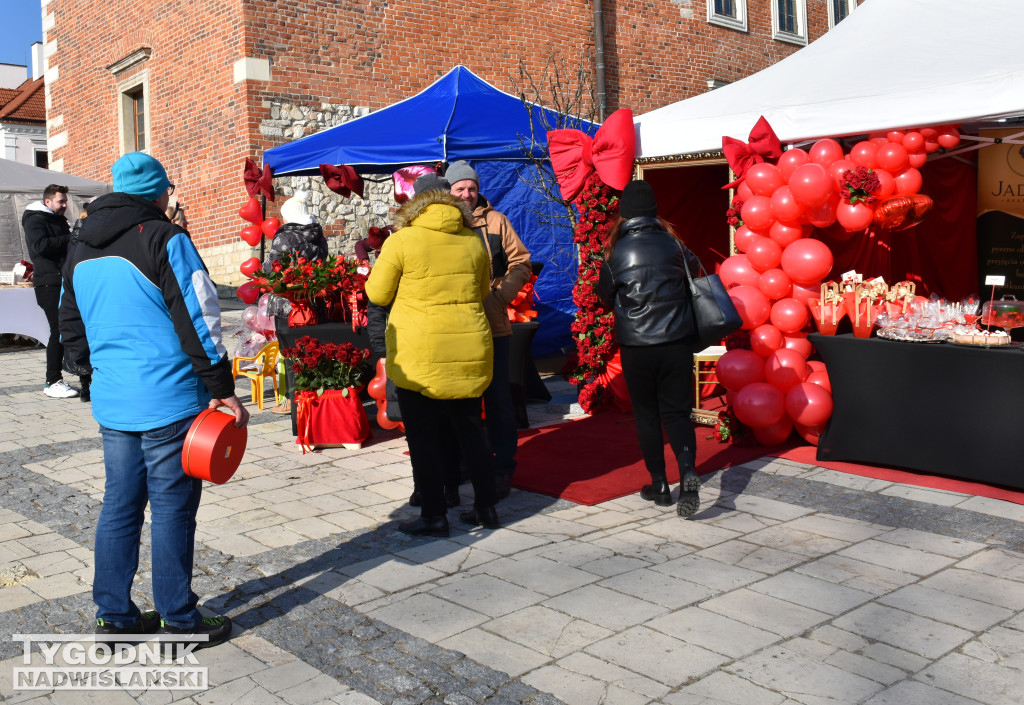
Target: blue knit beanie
[(139, 174)]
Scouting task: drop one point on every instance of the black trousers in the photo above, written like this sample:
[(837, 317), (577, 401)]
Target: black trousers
[(659, 380), (429, 424), (48, 298)]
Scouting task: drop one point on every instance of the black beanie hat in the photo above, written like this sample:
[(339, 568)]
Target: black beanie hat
[(638, 200), (430, 182)]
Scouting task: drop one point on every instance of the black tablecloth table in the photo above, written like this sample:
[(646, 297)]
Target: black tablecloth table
[(936, 407)]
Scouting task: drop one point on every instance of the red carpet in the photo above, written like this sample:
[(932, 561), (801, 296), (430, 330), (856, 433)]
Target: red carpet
[(597, 458)]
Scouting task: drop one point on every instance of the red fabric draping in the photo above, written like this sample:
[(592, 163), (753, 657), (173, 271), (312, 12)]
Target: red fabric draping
[(763, 146), (940, 254), (257, 181), (343, 180), (574, 154)]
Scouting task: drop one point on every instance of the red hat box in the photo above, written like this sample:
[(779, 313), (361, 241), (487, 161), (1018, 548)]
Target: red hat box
[(213, 447)]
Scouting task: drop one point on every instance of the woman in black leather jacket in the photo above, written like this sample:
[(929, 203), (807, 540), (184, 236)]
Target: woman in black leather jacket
[(643, 278)]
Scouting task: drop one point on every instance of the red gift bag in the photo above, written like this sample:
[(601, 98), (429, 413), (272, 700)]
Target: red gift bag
[(335, 418), (302, 314)]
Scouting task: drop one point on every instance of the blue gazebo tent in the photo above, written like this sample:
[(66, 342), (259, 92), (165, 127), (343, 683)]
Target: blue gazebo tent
[(461, 116)]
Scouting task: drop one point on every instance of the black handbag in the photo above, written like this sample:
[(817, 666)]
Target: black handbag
[(714, 314)]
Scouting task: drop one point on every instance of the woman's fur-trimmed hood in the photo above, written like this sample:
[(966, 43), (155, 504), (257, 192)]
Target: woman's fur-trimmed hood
[(415, 206)]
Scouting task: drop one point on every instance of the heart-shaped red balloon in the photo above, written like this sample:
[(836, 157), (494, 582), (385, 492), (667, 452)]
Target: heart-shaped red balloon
[(248, 292), (270, 226), (250, 266), (252, 235), (902, 212), (252, 212)]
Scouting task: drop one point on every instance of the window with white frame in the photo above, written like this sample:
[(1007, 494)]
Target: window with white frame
[(789, 21), (838, 10), (728, 13), (133, 100)]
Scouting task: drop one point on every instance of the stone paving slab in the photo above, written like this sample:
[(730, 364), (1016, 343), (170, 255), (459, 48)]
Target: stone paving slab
[(792, 585)]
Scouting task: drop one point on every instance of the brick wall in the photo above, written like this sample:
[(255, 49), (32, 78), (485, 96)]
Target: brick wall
[(366, 53)]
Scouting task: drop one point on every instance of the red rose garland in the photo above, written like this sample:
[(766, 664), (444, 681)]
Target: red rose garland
[(594, 327)]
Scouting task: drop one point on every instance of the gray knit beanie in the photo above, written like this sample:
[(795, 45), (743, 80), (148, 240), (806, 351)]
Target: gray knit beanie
[(461, 171)]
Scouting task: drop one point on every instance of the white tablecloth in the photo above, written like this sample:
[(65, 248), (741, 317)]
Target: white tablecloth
[(19, 313)]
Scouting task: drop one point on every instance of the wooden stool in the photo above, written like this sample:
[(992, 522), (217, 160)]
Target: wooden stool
[(709, 354)]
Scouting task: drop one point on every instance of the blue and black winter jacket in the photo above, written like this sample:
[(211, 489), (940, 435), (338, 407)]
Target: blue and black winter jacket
[(140, 307)]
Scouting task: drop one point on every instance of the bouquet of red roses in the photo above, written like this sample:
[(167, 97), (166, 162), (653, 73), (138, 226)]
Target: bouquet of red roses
[(318, 366)]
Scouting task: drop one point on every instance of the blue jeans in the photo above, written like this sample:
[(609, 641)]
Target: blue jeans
[(145, 466), (502, 430)]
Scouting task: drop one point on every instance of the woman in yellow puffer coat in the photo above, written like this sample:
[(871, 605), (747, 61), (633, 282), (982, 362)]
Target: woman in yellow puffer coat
[(434, 273)]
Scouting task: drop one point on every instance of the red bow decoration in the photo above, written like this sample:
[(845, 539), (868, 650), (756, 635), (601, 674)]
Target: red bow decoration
[(574, 154), (342, 179), (257, 181), (764, 145)]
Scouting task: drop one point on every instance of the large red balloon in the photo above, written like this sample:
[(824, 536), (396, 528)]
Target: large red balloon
[(825, 152), (270, 226), (738, 368), (743, 191), (766, 339), (811, 185), (785, 233), (744, 237), (763, 179), (776, 434), (809, 404), (251, 235), (892, 157), (785, 369), (825, 215), (799, 343), (863, 154), (764, 254), (888, 184), (821, 379), (775, 284), (757, 213), (251, 211), (854, 216), (908, 182), (811, 434), (948, 137), (738, 271), (917, 160), (248, 292), (790, 161), (753, 306), (760, 404), (816, 366), (807, 260), (913, 142), (250, 266), (784, 205), (789, 315), (895, 136)]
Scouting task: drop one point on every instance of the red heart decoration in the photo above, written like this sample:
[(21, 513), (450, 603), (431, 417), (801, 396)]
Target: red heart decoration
[(248, 292), (252, 235), (250, 266), (902, 212), (270, 226), (252, 212)]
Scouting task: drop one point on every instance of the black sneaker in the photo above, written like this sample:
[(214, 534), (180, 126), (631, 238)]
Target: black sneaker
[(147, 623), (218, 629)]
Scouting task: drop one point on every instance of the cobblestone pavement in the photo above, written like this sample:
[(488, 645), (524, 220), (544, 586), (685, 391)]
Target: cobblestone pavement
[(792, 584)]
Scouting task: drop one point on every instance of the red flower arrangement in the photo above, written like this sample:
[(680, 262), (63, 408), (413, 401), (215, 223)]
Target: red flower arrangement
[(335, 280), (318, 366), (732, 216), (594, 326), (859, 185)]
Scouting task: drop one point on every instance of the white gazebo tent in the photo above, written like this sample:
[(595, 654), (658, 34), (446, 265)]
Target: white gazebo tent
[(890, 64)]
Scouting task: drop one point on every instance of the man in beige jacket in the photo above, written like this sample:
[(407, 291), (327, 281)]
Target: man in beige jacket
[(510, 270)]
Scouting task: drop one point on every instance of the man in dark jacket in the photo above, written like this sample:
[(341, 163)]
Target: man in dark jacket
[(141, 309), (47, 235)]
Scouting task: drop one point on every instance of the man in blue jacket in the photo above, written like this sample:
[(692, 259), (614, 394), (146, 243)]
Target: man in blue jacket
[(139, 306)]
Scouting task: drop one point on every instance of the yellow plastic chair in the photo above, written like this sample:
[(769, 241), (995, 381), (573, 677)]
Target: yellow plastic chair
[(261, 365)]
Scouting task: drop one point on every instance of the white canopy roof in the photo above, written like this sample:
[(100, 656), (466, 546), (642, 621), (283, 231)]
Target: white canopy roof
[(889, 64)]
